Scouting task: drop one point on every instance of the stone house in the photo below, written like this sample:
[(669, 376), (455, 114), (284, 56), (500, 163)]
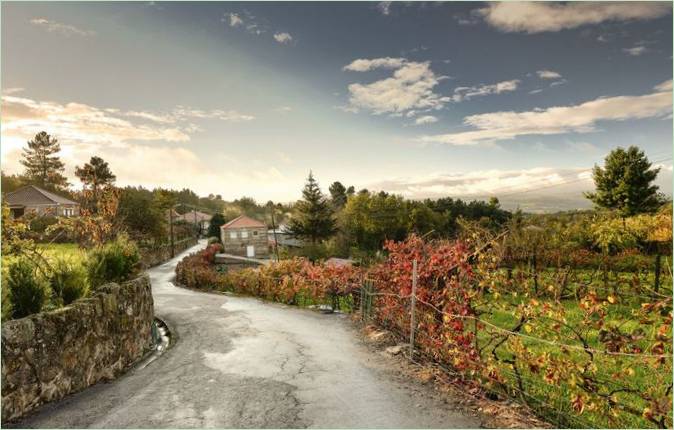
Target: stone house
[(200, 219), (32, 199), (246, 237)]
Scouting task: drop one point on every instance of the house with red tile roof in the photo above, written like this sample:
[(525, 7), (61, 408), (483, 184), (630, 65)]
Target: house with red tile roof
[(245, 236)]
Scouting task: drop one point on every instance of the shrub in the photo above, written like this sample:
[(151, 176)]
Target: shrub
[(212, 240), (115, 261), (68, 281), (6, 302), (28, 291)]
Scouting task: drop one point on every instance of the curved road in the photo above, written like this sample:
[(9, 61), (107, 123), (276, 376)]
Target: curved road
[(238, 362)]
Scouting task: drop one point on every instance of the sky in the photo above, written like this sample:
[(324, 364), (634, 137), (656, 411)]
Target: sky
[(424, 99)]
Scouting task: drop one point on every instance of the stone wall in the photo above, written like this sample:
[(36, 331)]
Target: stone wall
[(153, 257), (49, 355)]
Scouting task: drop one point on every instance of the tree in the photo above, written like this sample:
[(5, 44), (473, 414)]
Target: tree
[(217, 221), (350, 191), (338, 194), (625, 183), (313, 217), (41, 164), (94, 175)]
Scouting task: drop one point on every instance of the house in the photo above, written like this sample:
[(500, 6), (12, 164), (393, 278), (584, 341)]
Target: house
[(195, 217), (245, 236), (35, 200), (283, 237)]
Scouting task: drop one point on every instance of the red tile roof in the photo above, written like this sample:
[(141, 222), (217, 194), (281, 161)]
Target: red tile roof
[(243, 221)]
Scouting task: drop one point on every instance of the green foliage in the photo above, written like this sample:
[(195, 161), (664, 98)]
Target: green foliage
[(115, 261), (41, 163), (6, 301), (28, 290), (213, 239), (217, 221), (338, 195), (625, 183), (141, 214), (68, 281), (313, 218)]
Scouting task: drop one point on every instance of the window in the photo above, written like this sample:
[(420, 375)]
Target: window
[(255, 233), (244, 234), (232, 235)]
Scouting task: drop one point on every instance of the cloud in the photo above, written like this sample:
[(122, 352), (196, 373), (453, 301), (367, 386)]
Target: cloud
[(182, 112), (409, 88), (481, 183), (365, 65), (581, 118), (57, 27), (548, 74), (635, 51), (665, 86), (284, 109), (384, 7), (283, 38), (466, 93), (536, 91), (426, 119), (235, 20), (536, 17)]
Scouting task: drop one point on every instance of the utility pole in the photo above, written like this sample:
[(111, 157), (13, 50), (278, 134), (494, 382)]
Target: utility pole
[(273, 227), (413, 303), (173, 249), (196, 224)]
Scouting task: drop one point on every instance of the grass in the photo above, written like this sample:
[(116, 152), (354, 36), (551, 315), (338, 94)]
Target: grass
[(554, 403)]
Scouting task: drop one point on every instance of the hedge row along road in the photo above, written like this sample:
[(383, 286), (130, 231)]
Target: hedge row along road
[(238, 362)]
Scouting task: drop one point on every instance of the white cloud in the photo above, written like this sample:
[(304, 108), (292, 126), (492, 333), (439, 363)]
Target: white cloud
[(182, 112), (582, 118), (536, 91), (548, 74), (479, 183), (364, 65), (57, 27), (284, 109), (635, 51), (426, 119), (235, 20), (283, 38), (409, 88), (536, 17), (466, 93), (384, 7), (665, 86)]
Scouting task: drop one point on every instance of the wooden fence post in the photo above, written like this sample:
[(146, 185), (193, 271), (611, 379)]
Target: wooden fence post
[(657, 272), (413, 302)]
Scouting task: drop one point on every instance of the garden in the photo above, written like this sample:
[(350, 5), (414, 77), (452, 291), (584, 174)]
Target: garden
[(512, 313)]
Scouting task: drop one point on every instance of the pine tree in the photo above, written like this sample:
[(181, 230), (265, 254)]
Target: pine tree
[(95, 174), (338, 194), (42, 166), (313, 219), (625, 183)]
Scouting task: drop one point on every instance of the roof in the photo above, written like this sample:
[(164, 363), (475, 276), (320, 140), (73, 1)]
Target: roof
[(338, 262), (189, 217), (243, 221), (32, 195)]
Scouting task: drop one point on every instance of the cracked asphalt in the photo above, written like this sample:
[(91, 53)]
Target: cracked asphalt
[(238, 362)]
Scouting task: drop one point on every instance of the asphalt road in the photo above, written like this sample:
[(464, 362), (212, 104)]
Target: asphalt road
[(239, 362)]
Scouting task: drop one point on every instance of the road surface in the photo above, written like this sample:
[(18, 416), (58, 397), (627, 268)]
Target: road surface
[(238, 362)]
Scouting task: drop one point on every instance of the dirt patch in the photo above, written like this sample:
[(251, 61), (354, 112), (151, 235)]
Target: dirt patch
[(435, 383)]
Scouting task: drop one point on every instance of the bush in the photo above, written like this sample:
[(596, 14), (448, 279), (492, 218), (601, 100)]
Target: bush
[(212, 240), (28, 291), (68, 281), (115, 261), (6, 302)]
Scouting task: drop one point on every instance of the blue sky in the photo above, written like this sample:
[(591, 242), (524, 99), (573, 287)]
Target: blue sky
[(422, 99)]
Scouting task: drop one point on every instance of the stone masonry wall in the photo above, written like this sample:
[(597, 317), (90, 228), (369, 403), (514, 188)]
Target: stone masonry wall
[(153, 257), (49, 355)]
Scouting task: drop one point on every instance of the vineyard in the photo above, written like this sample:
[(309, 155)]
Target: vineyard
[(581, 346)]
